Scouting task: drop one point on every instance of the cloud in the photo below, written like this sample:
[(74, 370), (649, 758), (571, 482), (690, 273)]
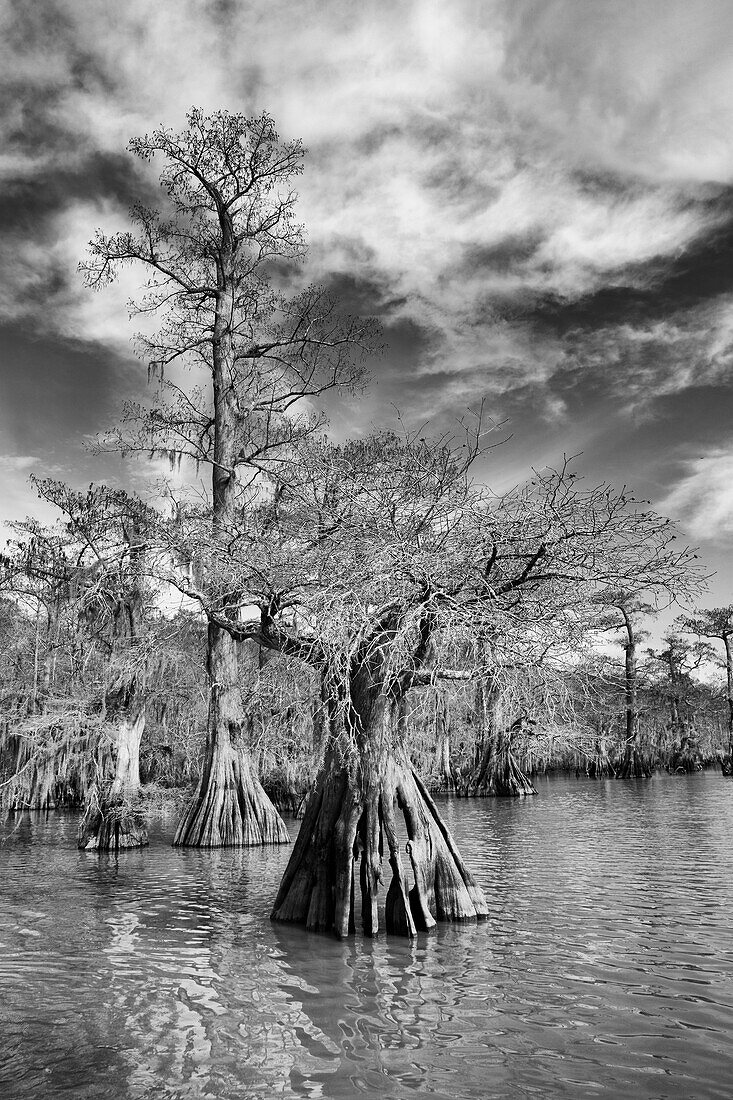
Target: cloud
[(18, 497), (639, 88), (18, 462), (703, 499), (533, 191), (637, 364)]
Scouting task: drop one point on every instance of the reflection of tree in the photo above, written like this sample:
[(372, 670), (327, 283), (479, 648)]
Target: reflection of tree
[(369, 1004), (163, 979), (54, 1038), (160, 977), (194, 998)]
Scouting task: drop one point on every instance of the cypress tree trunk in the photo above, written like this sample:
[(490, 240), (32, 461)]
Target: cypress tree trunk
[(443, 770), (498, 772), (685, 756), (127, 773), (230, 808), (634, 763), (727, 762), (599, 765), (350, 824), (110, 820)]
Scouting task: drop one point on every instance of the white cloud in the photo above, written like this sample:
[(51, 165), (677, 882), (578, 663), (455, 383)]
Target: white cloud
[(17, 463), (639, 87), (18, 497), (641, 362), (703, 500)]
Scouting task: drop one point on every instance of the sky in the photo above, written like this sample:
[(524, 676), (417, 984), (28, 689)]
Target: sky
[(534, 196)]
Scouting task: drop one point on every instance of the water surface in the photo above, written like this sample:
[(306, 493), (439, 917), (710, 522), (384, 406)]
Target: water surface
[(605, 967)]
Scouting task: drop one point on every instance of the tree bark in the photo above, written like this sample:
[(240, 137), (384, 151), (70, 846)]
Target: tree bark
[(349, 817), (728, 762), (634, 764), (498, 772), (110, 820), (444, 778), (599, 765), (684, 756), (127, 772), (230, 808)]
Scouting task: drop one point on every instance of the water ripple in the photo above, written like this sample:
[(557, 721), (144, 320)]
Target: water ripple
[(605, 967)]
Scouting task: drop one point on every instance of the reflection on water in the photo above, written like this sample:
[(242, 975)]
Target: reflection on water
[(605, 967)]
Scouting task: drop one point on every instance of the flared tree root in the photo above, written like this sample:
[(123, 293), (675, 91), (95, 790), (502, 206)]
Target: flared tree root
[(635, 765), (498, 772), (230, 808), (500, 775), (347, 821), (686, 756)]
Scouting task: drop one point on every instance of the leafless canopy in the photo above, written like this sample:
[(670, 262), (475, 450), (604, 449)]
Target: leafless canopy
[(216, 254), (386, 544)]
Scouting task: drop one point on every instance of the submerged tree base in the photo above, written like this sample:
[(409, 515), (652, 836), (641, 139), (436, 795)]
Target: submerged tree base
[(348, 818), (230, 809), (500, 776), (111, 825), (635, 765)]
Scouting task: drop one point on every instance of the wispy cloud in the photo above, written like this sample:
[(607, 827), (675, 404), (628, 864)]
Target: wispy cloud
[(703, 498), (18, 462)]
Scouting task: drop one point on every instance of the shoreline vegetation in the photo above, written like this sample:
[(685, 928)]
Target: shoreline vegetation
[(52, 774)]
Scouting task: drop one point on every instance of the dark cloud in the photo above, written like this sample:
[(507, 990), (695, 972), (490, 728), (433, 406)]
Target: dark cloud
[(30, 127), (396, 374), (651, 453), (701, 272), (363, 296), (43, 40), (55, 391), (605, 183), (505, 257), (36, 27), (27, 202), (701, 415)]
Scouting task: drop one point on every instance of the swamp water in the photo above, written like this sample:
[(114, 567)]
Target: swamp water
[(605, 968)]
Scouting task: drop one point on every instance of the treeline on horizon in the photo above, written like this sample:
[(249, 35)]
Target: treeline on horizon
[(355, 624), (491, 734)]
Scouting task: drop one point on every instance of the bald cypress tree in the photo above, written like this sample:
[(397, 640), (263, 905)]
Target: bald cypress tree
[(716, 625), (215, 254), (381, 567)]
